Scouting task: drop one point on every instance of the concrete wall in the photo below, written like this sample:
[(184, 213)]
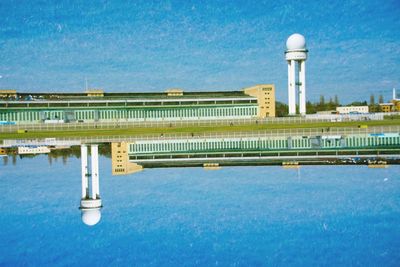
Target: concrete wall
[(265, 94)]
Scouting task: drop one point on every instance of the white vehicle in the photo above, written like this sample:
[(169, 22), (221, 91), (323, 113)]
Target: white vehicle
[(53, 121)]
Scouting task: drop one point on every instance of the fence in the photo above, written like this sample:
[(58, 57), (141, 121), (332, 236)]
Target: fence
[(209, 135)]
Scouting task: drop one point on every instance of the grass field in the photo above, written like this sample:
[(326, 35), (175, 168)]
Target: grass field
[(193, 129)]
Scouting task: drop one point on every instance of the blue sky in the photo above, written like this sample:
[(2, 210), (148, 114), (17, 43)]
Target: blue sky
[(135, 46)]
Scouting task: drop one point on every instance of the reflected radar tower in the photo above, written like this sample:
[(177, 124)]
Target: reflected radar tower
[(296, 54), (90, 202)]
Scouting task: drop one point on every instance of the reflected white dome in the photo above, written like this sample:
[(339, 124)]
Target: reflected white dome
[(296, 41), (91, 217)]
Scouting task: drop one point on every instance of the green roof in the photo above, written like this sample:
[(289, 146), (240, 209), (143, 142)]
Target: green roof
[(128, 95)]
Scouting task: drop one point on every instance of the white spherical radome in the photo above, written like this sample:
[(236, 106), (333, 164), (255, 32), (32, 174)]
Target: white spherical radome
[(296, 41), (91, 217)]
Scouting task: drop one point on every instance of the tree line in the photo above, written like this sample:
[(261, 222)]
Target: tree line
[(282, 109)]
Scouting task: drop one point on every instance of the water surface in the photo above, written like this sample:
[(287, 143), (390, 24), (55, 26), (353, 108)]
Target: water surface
[(237, 216)]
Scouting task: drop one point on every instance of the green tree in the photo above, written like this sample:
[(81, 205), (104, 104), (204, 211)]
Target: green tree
[(358, 103), (281, 109), (372, 103), (372, 100), (322, 100), (311, 108), (336, 100), (380, 99), (331, 105)]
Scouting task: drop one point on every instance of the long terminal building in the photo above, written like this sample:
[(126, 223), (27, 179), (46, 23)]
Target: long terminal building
[(174, 104)]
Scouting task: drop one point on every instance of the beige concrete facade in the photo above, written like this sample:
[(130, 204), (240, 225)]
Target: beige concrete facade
[(387, 107), (392, 106), (120, 160), (95, 93), (265, 94), (8, 93), (174, 92)]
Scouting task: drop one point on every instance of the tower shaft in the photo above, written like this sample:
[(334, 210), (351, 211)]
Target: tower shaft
[(302, 88), (95, 171), (90, 201), (85, 171), (292, 86), (90, 190), (296, 76)]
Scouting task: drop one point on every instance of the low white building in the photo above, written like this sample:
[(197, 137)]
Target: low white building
[(33, 150), (352, 109)]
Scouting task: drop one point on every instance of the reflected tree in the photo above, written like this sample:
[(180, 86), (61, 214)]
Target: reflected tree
[(5, 161)]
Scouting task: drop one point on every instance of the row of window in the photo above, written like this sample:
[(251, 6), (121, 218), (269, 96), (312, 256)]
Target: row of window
[(31, 116), (372, 141), (258, 144), (173, 113), (208, 145)]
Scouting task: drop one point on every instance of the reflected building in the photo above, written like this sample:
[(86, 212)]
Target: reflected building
[(287, 150), (90, 201), (28, 150), (120, 160)]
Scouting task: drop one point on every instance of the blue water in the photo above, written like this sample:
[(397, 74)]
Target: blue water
[(238, 216)]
